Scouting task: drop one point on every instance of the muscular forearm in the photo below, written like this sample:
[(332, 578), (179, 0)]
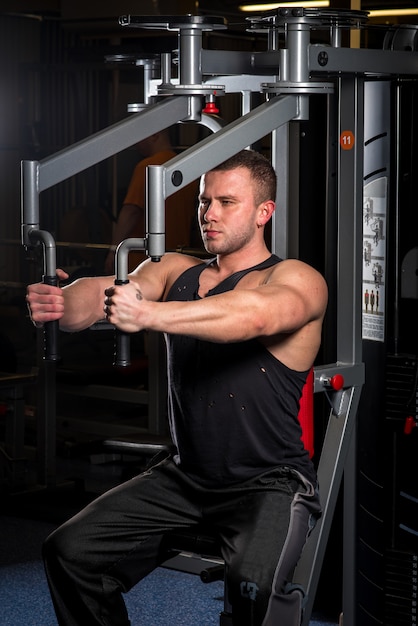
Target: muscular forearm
[(238, 315), (75, 307), (83, 303), (233, 316)]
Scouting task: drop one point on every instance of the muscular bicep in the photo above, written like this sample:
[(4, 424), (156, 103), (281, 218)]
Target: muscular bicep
[(293, 297)]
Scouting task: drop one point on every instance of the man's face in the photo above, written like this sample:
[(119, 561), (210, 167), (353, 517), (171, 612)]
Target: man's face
[(227, 211)]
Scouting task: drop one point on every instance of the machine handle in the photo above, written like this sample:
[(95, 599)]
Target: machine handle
[(122, 356), (210, 574), (51, 329)]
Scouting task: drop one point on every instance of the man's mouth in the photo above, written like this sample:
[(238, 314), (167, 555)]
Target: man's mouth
[(210, 233)]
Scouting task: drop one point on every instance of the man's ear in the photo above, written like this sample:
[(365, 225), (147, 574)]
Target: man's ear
[(265, 211)]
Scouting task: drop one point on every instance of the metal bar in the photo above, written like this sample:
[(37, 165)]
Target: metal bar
[(354, 60), (330, 471), (349, 302), (353, 374), (155, 194), (397, 186), (350, 225), (239, 62), (242, 83), (280, 150), (29, 181), (230, 84), (46, 422), (122, 254), (298, 37), (321, 59), (107, 142), (190, 73), (216, 148), (106, 392), (338, 451)]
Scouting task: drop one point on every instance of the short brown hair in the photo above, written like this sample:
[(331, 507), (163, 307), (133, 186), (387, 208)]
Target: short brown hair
[(262, 172)]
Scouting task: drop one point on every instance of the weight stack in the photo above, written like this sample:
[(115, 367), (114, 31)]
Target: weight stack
[(401, 588), (401, 554)]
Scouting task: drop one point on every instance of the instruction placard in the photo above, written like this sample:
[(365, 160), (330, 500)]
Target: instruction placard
[(374, 258)]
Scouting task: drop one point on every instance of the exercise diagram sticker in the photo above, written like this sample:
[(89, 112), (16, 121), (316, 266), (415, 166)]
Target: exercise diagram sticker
[(374, 259), (347, 140)]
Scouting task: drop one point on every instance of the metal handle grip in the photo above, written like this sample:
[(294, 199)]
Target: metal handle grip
[(122, 356), (51, 329)]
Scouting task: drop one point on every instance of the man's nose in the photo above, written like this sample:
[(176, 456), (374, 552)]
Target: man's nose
[(210, 212)]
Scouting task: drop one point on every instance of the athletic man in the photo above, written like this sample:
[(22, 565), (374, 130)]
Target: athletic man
[(242, 331)]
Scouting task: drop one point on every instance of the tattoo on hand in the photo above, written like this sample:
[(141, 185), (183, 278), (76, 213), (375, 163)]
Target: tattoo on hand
[(138, 295)]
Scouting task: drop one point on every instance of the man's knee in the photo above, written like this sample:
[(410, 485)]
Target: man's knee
[(257, 606), (62, 545), (248, 594)]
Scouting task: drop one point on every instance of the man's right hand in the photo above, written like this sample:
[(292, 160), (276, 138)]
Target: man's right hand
[(45, 302)]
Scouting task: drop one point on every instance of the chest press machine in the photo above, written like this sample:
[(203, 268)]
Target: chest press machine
[(288, 75)]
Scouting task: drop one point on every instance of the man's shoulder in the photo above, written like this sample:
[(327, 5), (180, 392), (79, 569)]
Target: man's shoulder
[(294, 265), (176, 264), (179, 263), (294, 271)]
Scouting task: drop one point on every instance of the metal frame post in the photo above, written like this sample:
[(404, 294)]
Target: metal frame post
[(349, 344), (338, 450)]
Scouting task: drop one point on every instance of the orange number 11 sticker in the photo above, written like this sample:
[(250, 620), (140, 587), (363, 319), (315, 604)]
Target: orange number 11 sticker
[(347, 140)]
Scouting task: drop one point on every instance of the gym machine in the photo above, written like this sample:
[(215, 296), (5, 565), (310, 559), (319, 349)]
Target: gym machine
[(290, 72)]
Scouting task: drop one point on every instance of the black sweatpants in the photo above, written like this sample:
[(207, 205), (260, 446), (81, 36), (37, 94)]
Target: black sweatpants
[(118, 539)]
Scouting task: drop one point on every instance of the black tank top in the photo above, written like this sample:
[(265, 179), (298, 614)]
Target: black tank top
[(232, 407)]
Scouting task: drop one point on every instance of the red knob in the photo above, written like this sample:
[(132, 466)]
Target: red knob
[(337, 382), (211, 108), (409, 425)]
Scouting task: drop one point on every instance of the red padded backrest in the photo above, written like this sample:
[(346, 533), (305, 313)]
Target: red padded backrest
[(306, 414)]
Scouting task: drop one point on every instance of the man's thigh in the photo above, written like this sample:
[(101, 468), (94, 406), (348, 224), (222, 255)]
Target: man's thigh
[(263, 535), (121, 532)]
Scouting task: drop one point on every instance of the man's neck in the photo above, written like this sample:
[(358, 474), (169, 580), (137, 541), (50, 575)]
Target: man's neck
[(227, 264)]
